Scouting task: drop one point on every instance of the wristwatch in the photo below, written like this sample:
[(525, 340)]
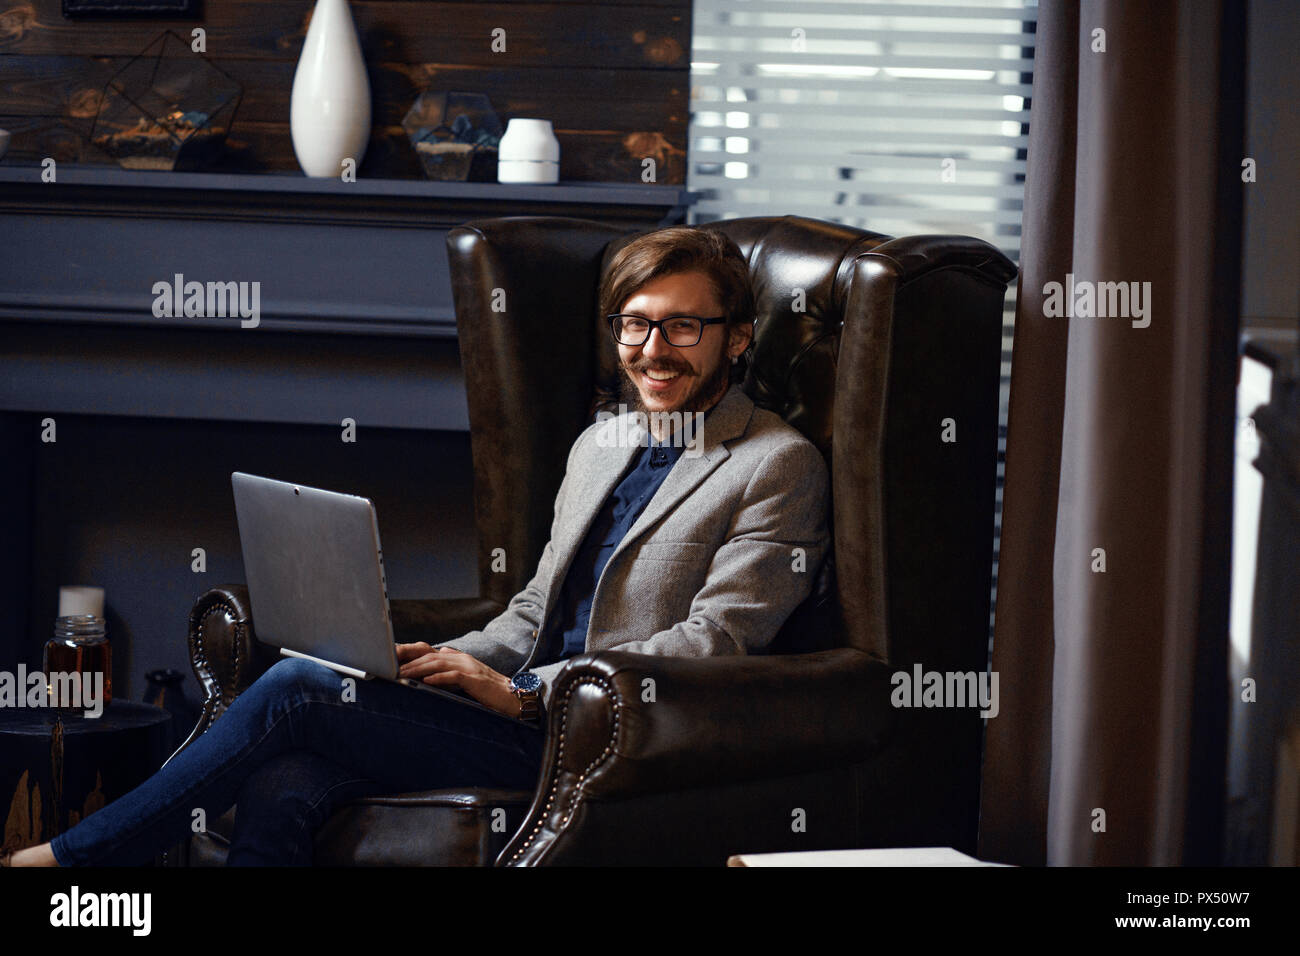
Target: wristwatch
[(527, 687)]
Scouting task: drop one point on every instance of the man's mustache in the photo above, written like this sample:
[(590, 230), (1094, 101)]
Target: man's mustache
[(649, 366)]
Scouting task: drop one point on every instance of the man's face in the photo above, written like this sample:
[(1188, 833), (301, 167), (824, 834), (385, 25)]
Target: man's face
[(659, 377)]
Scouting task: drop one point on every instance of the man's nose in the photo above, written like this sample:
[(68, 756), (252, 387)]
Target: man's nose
[(657, 346)]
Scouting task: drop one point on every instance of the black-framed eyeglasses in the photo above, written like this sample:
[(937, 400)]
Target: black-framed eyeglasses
[(681, 331)]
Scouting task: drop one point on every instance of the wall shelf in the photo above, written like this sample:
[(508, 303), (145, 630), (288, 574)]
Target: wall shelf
[(354, 297), (606, 194), (365, 258)]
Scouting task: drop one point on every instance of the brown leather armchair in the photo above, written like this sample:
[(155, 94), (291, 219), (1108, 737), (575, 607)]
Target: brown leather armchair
[(795, 749)]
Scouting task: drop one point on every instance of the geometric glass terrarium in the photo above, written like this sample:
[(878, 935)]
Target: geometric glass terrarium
[(455, 135), (169, 107)]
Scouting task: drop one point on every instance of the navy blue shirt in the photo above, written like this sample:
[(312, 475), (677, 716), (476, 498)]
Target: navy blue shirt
[(567, 628)]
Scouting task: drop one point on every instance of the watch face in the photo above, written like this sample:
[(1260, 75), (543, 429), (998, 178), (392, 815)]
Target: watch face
[(526, 682)]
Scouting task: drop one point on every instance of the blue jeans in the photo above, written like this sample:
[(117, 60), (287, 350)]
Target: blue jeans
[(288, 751)]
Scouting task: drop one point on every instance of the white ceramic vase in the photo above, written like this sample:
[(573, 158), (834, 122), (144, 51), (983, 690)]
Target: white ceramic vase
[(528, 153), (329, 110)]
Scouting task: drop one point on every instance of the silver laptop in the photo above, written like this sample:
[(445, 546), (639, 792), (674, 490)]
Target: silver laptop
[(315, 575)]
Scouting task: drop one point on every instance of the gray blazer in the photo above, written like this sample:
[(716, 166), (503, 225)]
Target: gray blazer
[(726, 549)]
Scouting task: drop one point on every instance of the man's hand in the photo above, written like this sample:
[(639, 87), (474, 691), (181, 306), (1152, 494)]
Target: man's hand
[(448, 667)]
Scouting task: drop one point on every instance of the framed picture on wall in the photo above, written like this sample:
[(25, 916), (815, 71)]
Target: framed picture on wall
[(158, 9)]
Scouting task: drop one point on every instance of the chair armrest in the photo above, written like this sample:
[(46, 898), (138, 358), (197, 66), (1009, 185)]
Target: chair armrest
[(224, 651), (226, 658), (624, 725)]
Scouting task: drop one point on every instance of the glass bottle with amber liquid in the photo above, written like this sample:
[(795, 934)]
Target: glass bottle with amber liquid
[(79, 646)]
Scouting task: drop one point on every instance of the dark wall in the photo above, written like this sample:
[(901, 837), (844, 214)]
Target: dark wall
[(613, 77), (120, 503)]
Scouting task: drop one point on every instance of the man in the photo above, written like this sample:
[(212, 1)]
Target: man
[(660, 551), (656, 548)]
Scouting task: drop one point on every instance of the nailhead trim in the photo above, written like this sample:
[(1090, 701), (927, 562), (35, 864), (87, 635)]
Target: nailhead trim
[(215, 698), (577, 794)]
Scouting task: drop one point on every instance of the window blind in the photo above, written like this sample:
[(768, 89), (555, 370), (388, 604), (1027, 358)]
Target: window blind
[(897, 116)]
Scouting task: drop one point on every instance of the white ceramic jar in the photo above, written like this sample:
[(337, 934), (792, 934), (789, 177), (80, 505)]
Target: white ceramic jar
[(329, 109), (528, 153)]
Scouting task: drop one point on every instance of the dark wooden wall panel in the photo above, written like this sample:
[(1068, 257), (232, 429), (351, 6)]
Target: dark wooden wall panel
[(612, 77)]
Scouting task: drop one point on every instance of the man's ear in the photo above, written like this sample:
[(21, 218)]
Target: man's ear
[(743, 333)]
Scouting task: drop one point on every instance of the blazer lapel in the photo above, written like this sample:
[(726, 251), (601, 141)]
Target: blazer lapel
[(616, 444), (595, 482), (727, 422)]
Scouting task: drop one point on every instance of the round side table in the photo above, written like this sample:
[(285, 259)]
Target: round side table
[(57, 766)]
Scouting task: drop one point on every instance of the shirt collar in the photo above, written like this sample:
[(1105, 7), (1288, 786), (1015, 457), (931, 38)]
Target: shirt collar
[(668, 440)]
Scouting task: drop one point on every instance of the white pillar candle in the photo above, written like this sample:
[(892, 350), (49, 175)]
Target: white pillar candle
[(81, 600), (528, 152)]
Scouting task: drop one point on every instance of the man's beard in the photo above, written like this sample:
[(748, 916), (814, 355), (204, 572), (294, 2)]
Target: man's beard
[(704, 390)]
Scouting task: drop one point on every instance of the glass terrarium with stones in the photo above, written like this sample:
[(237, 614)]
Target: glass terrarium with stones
[(455, 135), (168, 108)]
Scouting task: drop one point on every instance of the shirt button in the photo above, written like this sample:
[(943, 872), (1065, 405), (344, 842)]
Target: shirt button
[(534, 632)]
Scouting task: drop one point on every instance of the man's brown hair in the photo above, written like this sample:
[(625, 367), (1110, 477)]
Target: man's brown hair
[(683, 249)]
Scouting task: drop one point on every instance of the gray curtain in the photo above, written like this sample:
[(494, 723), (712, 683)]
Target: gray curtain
[(1114, 683)]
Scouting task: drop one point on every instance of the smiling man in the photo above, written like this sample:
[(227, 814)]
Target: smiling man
[(652, 551), (667, 376)]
